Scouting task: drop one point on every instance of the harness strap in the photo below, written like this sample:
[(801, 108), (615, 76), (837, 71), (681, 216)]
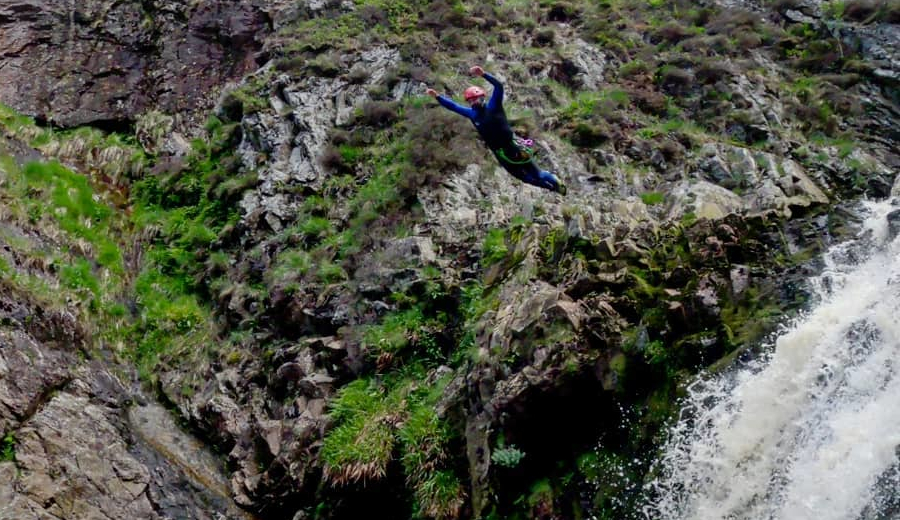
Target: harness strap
[(524, 147)]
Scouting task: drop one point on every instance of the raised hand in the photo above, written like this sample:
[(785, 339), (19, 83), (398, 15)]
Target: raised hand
[(431, 92), (476, 71)]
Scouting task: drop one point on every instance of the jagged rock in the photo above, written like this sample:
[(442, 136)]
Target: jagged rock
[(704, 200), (86, 472), (767, 181), (552, 323), (797, 17), (155, 131), (284, 147), (417, 251), (717, 171), (591, 63), (706, 297), (396, 267), (893, 219), (740, 279), (99, 62), (632, 212), (580, 281), (28, 373)]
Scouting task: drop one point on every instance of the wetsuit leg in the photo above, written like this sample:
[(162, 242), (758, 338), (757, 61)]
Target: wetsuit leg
[(531, 174), (528, 171), (537, 177)]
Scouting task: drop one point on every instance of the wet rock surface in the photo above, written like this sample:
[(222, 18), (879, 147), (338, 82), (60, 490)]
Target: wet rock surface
[(105, 63)]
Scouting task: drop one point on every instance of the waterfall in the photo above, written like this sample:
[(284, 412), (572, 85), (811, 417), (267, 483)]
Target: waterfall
[(811, 428)]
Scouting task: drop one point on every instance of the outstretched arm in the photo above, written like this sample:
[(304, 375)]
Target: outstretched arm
[(450, 104), (497, 95)]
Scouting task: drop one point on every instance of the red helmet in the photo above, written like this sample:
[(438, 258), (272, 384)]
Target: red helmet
[(473, 92)]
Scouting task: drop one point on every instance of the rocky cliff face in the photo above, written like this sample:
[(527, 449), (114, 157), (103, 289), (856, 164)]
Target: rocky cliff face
[(341, 292), (106, 63), (78, 441)]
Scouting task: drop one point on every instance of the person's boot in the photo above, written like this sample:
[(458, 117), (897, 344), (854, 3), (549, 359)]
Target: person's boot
[(560, 185)]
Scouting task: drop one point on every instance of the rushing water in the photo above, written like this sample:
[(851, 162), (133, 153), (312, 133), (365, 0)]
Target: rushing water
[(811, 429)]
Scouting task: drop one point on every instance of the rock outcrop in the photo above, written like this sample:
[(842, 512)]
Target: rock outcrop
[(105, 63)]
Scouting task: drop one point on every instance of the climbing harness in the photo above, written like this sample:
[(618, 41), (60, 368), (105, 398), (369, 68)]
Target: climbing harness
[(526, 148)]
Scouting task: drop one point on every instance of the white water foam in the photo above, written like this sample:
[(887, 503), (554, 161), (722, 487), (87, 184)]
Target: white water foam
[(812, 429)]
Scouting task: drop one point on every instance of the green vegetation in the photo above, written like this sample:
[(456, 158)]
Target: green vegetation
[(834, 9), (507, 457), (494, 249), (397, 331), (361, 445), (426, 458), (8, 448), (652, 198), (77, 257), (67, 198), (374, 420)]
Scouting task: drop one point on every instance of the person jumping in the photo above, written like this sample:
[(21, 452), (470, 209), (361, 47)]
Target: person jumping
[(513, 153)]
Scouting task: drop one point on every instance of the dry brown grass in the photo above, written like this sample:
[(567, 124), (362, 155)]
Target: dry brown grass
[(862, 10), (378, 114)]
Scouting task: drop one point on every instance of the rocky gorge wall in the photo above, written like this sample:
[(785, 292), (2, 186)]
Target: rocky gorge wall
[(106, 63), (340, 292)]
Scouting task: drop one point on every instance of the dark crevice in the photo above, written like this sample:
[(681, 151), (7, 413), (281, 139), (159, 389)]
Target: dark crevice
[(45, 397), (124, 126), (121, 126)]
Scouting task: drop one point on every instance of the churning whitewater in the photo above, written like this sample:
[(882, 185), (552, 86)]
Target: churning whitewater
[(811, 429)]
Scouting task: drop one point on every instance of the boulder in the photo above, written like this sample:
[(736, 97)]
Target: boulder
[(893, 219), (767, 182), (704, 200)]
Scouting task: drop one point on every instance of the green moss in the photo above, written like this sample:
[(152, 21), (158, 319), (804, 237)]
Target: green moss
[(834, 10), (12, 120), (8, 448), (610, 474), (79, 277), (747, 320), (644, 284), (619, 364), (652, 198), (400, 330), (316, 227), (67, 198), (290, 264), (253, 94), (328, 272), (553, 244), (494, 248), (172, 324), (541, 493)]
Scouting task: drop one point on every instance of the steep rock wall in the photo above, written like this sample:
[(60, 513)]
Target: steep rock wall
[(105, 63)]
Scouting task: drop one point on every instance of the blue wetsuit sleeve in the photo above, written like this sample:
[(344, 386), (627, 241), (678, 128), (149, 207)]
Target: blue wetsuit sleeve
[(497, 95), (459, 109)]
